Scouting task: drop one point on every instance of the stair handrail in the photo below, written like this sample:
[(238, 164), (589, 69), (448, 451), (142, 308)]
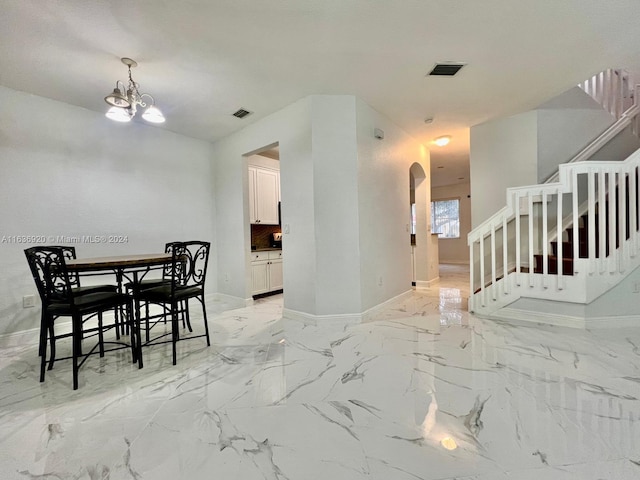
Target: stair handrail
[(626, 118), (568, 174)]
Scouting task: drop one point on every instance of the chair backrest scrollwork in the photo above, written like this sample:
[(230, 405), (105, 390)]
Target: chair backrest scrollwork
[(49, 271)]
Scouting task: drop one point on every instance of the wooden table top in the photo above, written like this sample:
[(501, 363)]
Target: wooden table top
[(118, 261)]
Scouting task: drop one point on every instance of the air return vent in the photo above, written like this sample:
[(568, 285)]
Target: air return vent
[(241, 113), (446, 69)]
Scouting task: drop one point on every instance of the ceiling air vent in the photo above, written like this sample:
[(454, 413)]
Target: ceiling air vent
[(241, 113), (446, 69)]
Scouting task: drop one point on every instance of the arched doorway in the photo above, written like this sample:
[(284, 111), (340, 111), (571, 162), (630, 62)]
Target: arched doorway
[(424, 245)]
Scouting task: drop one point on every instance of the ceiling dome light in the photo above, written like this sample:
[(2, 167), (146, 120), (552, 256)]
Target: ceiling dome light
[(442, 141), (449, 443)]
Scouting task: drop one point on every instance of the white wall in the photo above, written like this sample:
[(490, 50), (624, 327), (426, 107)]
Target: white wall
[(455, 250), (566, 124), (384, 205), (338, 186), (69, 171), (336, 207), (291, 128), (503, 153)]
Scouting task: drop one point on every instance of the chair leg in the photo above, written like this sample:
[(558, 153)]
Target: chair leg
[(186, 314), (43, 334), (174, 329), (52, 343), (146, 328), (43, 349), (119, 323), (101, 335), (206, 323), (77, 339)]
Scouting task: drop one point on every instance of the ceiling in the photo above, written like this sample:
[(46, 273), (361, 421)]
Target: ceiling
[(204, 59)]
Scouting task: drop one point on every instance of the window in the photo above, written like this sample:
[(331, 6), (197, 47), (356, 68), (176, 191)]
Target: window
[(445, 218)]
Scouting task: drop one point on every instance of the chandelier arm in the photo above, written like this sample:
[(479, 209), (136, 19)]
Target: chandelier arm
[(153, 100)]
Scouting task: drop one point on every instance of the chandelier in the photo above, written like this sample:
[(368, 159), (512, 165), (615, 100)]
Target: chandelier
[(124, 101)]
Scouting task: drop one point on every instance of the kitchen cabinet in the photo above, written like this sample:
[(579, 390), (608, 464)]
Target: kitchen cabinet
[(266, 272), (264, 195)]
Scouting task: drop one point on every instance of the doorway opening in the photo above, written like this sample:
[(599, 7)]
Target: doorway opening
[(265, 211)]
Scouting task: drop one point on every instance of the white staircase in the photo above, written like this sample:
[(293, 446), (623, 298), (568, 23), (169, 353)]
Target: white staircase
[(572, 238)]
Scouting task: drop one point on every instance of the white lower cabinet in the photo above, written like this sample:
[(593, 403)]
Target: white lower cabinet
[(266, 271)]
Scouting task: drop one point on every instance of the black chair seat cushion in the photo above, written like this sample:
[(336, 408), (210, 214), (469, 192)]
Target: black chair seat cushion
[(90, 302), (151, 283), (93, 289), (162, 294)]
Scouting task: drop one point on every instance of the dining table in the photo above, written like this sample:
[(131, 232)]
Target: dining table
[(132, 268)]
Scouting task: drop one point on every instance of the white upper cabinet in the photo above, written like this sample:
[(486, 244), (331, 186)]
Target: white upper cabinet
[(264, 195)]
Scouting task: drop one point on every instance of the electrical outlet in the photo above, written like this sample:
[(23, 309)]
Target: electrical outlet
[(226, 277), (380, 280), (28, 301), (286, 228)]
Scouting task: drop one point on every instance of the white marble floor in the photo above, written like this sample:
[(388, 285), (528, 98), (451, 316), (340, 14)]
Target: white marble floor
[(424, 391)]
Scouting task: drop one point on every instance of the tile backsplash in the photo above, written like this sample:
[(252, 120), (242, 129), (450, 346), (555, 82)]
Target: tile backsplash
[(261, 235)]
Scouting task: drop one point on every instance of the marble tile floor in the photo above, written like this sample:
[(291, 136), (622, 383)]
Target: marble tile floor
[(423, 391)]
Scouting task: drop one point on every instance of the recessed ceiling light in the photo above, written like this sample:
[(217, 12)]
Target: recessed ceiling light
[(440, 166), (449, 443), (443, 140), (428, 120)]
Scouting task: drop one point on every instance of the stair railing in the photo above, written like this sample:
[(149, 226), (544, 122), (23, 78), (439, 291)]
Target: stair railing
[(613, 89), (510, 252), (620, 97)]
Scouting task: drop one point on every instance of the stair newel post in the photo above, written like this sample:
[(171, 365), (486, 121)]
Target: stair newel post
[(559, 238), (633, 212), (545, 242), (482, 289), (471, 282), (574, 212), (635, 126), (493, 263), (531, 238), (602, 212), (612, 216), (505, 256), (591, 220), (622, 215), (517, 237)]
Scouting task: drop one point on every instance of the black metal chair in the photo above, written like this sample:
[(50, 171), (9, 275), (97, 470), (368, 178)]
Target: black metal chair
[(69, 253), (145, 283), (187, 274), (56, 289)]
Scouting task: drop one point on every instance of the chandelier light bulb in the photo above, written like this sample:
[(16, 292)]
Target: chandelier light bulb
[(118, 114)]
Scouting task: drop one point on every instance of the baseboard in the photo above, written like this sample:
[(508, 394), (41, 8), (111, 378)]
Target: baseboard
[(310, 319), (427, 283), (230, 300), (527, 317), (343, 318), (622, 321), (21, 338), (370, 313)]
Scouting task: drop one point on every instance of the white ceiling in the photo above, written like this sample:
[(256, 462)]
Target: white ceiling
[(204, 59)]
